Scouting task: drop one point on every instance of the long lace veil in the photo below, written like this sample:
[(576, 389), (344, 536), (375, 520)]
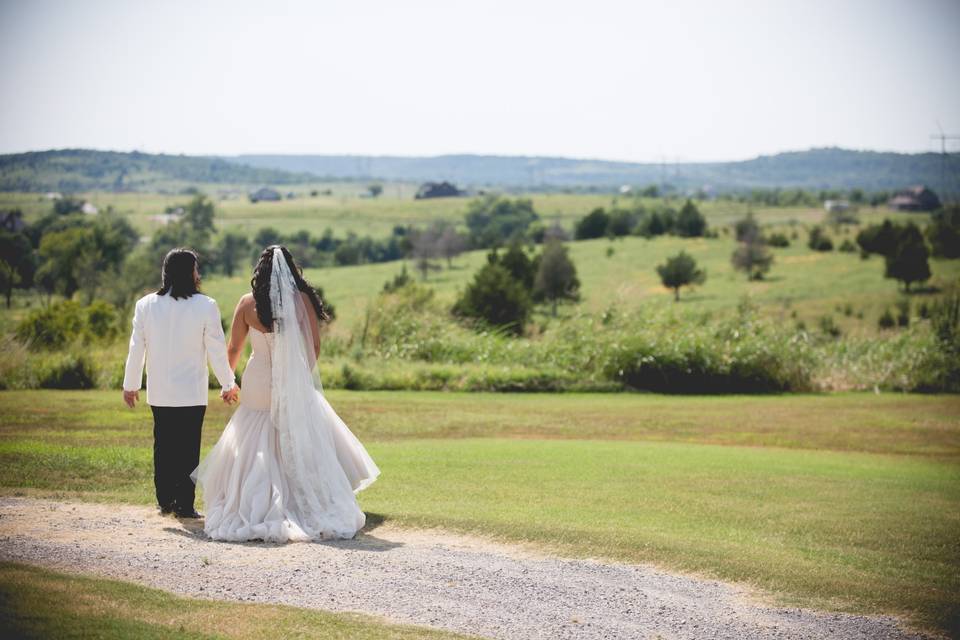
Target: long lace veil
[(325, 462)]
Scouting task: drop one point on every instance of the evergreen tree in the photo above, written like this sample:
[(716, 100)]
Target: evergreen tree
[(592, 225), (752, 257), (908, 263), (17, 262), (690, 223), (519, 265), (556, 277), (496, 298)]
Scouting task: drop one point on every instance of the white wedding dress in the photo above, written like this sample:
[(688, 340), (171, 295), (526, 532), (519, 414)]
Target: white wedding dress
[(285, 468)]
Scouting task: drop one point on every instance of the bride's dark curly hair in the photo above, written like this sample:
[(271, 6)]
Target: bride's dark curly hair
[(260, 283)]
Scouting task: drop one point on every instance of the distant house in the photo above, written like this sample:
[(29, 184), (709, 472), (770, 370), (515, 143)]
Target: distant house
[(836, 206), (172, 214), (89, 208), (918, 198), (266, 194), (437, 190)]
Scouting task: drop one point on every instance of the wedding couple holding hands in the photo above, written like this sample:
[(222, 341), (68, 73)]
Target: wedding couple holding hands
[(286, 467)]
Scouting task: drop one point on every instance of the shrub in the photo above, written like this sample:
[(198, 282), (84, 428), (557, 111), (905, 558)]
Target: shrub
[(886, 320), (495, 298), (942, 368), (52, 327), (400, 280), (592, 225), (903, 313), (829, 327), (103, 320), (847, 247), (67, 372), (778, 240), (735, 359), (819, 241), (943, 232)]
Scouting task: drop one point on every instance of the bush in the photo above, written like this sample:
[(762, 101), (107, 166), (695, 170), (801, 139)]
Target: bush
[(399, 281), (819, 241), (903, 313), (103, 320), (778, 240), (942, 367), (495, 298), (52, 327), (592, 225), (731, 361), (886, 320), (67, 372), (829, 327), (847, 247)]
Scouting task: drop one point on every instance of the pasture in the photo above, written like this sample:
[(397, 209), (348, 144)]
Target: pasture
[(843, 501), (802, 285), (345, 211)]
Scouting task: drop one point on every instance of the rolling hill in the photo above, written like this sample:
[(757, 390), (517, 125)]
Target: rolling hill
[(829, 168), (73, 170)]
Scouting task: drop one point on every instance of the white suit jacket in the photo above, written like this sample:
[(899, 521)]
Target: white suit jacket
[(176, 337)]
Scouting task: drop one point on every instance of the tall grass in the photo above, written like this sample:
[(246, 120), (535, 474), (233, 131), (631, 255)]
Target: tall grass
[(409, 340)]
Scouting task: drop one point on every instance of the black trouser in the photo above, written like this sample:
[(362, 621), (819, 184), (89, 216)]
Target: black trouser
[(176, 453)]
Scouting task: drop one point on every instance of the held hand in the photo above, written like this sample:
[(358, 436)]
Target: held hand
[(131, 397), (229, 397)]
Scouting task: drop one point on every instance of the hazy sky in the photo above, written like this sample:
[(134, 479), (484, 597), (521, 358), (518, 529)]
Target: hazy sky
[(678, 80)]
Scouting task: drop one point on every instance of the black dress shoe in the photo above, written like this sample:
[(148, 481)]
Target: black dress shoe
[(165, 511), (192, 513)]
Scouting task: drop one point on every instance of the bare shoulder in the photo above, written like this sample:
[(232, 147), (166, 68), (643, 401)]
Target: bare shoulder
[(246, 301)]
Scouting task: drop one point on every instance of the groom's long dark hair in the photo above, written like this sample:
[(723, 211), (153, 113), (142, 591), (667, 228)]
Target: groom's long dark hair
[(178, 274), (260, 283)]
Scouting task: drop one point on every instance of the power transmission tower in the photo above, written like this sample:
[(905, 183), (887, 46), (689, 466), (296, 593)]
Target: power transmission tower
[(944, 156)]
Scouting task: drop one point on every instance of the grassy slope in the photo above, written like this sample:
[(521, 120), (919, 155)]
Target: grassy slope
[(812, 283), (38, 603), (841, 528)]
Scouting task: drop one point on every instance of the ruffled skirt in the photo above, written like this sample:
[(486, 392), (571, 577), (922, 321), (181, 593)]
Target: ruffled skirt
[(248, 494)]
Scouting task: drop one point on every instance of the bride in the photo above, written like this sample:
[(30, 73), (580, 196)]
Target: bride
[(286, 467)]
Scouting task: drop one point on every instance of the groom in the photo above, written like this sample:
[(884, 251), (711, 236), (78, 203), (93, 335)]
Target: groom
[(176, 330)]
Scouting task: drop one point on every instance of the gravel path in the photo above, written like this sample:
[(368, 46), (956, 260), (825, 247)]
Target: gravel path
[(430, 578)]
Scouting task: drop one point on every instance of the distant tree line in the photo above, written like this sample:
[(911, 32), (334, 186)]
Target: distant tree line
[(643, 220)]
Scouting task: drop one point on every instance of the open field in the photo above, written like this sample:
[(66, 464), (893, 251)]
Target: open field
[(846, 501), (39, 603), (344, 211)]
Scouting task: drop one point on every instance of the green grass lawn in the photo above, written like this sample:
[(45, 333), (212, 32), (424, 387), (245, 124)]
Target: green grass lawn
[(848, 501), (38, 603)]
